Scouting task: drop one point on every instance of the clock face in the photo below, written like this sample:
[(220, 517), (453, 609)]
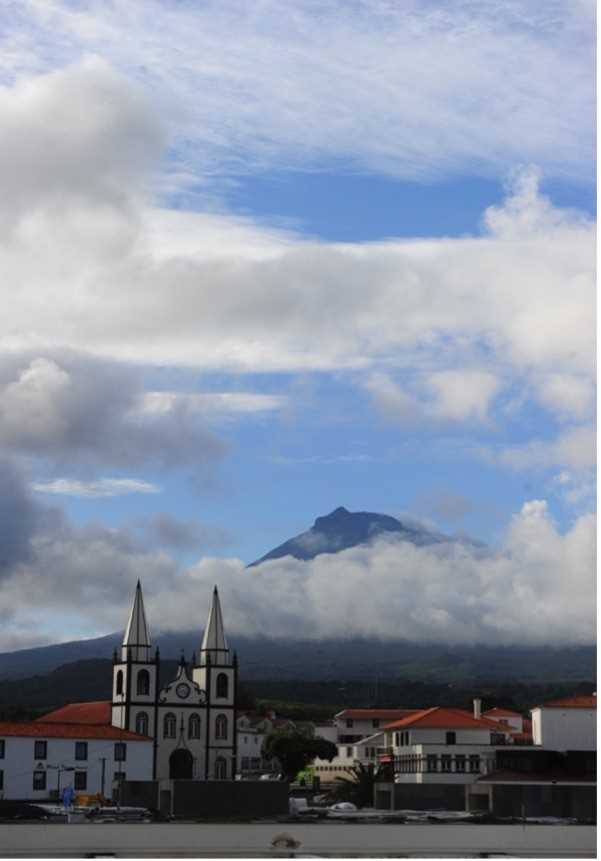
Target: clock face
[(183, 691)]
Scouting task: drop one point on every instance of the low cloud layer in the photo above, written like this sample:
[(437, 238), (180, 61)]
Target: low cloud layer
[(537, 587)]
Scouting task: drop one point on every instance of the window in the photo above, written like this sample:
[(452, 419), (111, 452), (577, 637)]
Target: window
[(245, 763), (460, 762), (80, 780), (169, 724), (2, 746), (1, 780), (222, 686), (39, 781), (349, 752), (245, 739), (451, 738), (194, 726), (221, 726), (256, 740), (120, 751), (255, 762), (40, 750), (432, 762), (143, 683), (142, 723), (474, 763), (81, 750), (220, 768), (119, 776), (445, 762), (349, 723), (375, 723), (119, 683)]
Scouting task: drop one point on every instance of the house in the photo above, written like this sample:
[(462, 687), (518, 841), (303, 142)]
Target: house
[(434, 754), (352, 730), (38, 759), (251, 733), (566, 724)]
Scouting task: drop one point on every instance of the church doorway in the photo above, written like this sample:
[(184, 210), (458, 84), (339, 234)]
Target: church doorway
[(180, 765)]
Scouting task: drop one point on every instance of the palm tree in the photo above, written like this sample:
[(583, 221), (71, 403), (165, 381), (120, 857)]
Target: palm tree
[(359, 787)]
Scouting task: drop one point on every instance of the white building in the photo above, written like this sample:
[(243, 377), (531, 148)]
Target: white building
[(353, 733), (192, 720), (251, 735), (38, 759), (566, 724)]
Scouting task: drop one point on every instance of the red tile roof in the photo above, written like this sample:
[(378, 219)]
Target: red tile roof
[(499, 712), (39, 729), (95, 713), (443, 718), (580, 701), (376, 714)]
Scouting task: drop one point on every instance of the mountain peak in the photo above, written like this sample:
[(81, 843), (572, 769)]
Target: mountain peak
[(343, 529)]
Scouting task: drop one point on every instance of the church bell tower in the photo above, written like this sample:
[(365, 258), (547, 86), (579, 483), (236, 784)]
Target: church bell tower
[(136, 675)]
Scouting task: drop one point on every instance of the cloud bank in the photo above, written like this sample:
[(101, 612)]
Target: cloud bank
[(538, 580)]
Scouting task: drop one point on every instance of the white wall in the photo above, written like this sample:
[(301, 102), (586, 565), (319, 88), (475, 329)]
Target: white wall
[(565, 729), (438, 736), (19, 764)]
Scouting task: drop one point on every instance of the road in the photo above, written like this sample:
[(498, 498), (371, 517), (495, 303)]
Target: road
[(316, 839)]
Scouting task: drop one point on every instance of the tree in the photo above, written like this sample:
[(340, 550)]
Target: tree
[(296, 749), (359, 787)]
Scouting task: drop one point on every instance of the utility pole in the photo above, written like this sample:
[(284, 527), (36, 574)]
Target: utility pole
[(103, 761)]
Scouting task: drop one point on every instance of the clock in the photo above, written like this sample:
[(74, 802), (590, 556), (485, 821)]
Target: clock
[(183, 691)]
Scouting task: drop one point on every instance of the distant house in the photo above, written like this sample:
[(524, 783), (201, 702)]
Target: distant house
[(566, 724), (359, 739)]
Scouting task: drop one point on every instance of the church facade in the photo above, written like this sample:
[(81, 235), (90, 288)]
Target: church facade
[(191, 719)]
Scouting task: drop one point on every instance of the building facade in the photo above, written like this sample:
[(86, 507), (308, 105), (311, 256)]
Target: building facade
[(192, 719), (39, 759), (566, 724)]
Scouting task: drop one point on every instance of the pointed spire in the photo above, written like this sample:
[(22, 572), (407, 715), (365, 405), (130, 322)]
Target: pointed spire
[(136, 640), (214, 645)]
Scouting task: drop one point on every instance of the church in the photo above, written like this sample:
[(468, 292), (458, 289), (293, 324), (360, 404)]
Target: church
[(184, 730), (192, 719)]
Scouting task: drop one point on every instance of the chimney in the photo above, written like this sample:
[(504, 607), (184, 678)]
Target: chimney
[(477, 708)]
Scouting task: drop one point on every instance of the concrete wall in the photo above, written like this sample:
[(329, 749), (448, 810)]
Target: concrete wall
[(19, 764), (565, 729), (579, 802), (221, 798), (398, 796)]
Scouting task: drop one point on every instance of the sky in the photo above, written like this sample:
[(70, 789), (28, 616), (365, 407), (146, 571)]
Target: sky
[(260, 260)]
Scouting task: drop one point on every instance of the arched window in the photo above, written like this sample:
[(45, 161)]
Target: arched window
[(119, 685), (222, 685), (143, 682), (142, 723), (169, 724), (220, 768), (194, 726), (221, 726)]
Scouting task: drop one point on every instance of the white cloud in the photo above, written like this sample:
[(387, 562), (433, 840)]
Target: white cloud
[(574, 447), (103, 487), (453, 395), (387, 87), (207, 403), (567, 395)]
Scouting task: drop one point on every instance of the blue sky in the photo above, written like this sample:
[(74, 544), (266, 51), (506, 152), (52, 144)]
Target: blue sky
[(262, 265)]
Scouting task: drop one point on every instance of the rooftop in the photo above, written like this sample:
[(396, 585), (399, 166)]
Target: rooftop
[(40, 729), (580, 701), (93, 713), (446, 718)]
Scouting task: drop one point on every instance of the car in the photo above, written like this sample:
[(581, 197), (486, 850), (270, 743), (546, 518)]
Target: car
[(343, 807)]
